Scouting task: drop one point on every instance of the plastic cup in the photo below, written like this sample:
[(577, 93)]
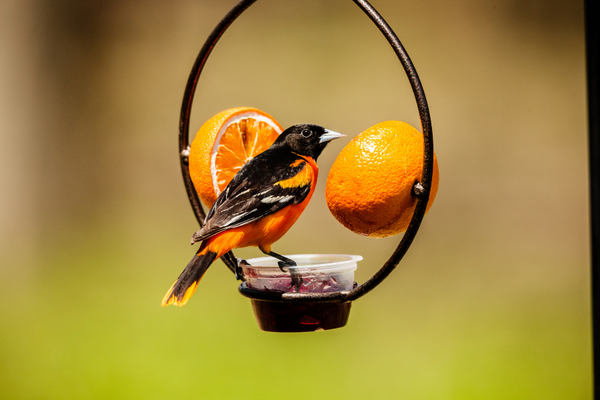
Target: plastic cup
[(321, 273)]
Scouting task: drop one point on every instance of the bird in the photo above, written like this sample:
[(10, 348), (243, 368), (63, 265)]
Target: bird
[(260, 204)]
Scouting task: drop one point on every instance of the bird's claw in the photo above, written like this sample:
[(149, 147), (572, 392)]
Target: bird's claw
[(296, 279), (239, 271), (294, 275), (283, 265)]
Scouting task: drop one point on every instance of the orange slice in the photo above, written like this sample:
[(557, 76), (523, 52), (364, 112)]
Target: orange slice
[(224, 144)]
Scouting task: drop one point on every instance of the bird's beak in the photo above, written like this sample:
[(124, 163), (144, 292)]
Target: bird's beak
[(330, 135)]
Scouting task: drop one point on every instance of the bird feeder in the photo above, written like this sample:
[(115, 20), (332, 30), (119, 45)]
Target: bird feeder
[(283, 311)]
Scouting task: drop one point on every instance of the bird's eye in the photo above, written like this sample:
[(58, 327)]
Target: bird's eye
[(306, 133)]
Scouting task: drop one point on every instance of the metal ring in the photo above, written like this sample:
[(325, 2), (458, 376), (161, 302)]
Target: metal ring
[(422, 192)]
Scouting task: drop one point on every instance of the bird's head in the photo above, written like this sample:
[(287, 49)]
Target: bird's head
[(307, 139)]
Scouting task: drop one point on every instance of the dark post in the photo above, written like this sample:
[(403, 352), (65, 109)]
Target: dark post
[(592, 33)]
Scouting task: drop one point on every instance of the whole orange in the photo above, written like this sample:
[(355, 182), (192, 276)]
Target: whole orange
[(224, 144), (369, 187)]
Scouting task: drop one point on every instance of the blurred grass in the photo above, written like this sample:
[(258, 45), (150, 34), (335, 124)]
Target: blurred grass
[(91, 327), (492, 300)]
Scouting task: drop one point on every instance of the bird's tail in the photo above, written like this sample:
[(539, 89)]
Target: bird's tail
[(185, 286)]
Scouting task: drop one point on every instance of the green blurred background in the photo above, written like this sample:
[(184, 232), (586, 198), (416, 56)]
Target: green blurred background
[(491, 302)]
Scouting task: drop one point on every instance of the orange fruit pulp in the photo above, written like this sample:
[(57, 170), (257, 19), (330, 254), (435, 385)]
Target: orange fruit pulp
[(369, 186), (224, 144)]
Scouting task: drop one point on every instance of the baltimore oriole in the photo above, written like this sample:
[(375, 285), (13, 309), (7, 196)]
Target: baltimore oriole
[(259, 205)]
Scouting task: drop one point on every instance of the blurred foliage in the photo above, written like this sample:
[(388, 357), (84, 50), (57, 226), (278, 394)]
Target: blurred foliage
[(492, 300)]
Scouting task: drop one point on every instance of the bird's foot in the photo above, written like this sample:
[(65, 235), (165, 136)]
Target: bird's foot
[(294, 275), (239, 271), (283, 265), (296, 279)]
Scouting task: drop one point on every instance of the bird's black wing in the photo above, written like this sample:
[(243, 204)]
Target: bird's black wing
[(265, 185)]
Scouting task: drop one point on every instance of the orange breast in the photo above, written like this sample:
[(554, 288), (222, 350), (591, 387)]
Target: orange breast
[(266, 231), (271, 228)]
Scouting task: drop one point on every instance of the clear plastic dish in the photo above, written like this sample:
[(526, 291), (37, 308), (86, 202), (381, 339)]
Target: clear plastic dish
[(321, 273)]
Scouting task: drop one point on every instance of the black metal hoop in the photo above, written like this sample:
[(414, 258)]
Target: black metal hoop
[(420, 190)]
